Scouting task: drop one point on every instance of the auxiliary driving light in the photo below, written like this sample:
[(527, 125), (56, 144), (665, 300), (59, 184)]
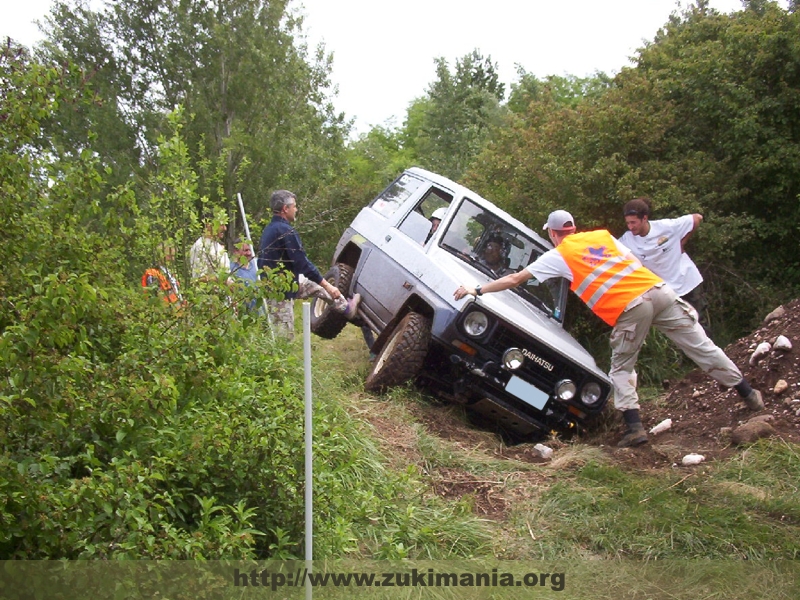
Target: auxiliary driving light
[(565, 390), (513, 359)]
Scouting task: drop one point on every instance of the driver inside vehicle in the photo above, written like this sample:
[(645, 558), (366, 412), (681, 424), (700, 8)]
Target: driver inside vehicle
[(494, 255)]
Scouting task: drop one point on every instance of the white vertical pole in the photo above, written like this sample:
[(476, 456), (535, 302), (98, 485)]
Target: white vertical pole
[(244, 216), (308, 441), (252, 245)]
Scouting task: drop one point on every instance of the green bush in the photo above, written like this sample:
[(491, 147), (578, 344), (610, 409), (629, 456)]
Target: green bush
[(130, 428)]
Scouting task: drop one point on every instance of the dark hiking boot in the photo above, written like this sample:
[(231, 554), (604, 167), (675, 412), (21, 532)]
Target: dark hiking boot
[(636, 436), (753, 400)]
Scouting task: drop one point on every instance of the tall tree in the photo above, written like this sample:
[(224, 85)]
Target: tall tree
[(259, 109), (735, 84), (707, 121), (457, 114), (563, 90)]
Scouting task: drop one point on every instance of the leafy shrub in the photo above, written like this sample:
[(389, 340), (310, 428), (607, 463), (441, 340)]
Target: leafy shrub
[(130, 428)]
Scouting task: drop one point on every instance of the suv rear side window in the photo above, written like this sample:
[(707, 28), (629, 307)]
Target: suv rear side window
[(417, 224), (396, 194)]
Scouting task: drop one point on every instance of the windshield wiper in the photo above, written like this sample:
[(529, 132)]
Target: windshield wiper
[(533, 299), (474, 262)]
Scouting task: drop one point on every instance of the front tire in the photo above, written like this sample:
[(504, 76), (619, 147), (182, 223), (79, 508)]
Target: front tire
[(403, 354), (325, 321)]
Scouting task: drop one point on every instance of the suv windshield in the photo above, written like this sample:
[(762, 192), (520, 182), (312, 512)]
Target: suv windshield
[(496, 248)]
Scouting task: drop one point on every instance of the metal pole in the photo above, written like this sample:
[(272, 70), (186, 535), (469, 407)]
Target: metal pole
[(247, 235), (244, 216), (308, 441)]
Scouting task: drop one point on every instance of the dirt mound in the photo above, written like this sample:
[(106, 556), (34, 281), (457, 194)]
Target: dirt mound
[(704, 414)]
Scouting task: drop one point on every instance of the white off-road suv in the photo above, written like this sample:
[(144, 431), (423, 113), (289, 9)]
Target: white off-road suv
[(504, 355)]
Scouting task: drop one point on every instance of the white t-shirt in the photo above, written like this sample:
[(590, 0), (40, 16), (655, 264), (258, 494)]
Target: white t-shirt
[(660, 251), (552, 264), (208, 258)]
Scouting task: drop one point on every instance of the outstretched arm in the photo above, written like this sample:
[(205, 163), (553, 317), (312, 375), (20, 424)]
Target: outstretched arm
[(504, 283)]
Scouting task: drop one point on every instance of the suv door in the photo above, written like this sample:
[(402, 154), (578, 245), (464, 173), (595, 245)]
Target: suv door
[(391, 270)]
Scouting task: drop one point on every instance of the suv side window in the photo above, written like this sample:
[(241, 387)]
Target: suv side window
[(417, 224), (396, 194), (434, 200)]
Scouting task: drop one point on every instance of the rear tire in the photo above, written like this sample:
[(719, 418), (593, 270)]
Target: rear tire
[(325, 321), (403, 354)]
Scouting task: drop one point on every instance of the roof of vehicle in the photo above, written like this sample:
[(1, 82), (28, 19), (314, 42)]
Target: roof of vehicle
[(459, 190)]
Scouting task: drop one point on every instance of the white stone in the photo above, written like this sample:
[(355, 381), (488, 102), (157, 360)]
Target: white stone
[(544, 451), (663, 426), (775, 314), (782, 343), (693, 459), (761, 350)]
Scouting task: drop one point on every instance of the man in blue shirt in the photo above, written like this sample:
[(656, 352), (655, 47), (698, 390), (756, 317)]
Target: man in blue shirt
[(280, 248)]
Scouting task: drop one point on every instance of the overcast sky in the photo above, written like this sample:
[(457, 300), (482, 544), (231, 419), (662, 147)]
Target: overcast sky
[(384, 50)]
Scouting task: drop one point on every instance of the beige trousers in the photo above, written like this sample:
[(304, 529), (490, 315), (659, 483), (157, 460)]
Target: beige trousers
[(280, 314), (661, 307)]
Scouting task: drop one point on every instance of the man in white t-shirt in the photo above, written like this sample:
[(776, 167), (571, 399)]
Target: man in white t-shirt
[(659, 245), (208, 258)]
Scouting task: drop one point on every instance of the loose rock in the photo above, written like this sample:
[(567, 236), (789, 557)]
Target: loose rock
[(775, 314), (693, 459), (782, 343), (544, 451), (761, 351), (780, 386), (663, 426), (761, 419), (752, 431)]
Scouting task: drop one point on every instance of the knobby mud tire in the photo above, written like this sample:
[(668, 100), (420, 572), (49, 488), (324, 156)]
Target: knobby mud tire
[(403, 354), (325, 321)]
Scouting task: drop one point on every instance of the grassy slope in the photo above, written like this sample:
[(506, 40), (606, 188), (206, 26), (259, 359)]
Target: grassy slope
[(583, 504)]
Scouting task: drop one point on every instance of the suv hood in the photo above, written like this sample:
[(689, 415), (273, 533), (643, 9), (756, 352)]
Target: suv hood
[(512, 308)]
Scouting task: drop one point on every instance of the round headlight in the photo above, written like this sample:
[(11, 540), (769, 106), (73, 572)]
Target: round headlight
[(590, 394), (565, 390), (513, 359), (476, 323)]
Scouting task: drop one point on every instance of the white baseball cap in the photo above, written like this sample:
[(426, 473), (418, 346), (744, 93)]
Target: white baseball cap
[(559, 220), (439, 213)]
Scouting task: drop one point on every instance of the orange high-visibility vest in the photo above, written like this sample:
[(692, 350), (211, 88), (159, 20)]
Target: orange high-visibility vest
[(601, 276), (151, 276)]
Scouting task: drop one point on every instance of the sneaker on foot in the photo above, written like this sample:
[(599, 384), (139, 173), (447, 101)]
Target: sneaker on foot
[(636, 436), (352, 307), (753, 400)]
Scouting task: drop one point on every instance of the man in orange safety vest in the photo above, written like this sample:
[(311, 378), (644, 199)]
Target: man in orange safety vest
[(609, 279)]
